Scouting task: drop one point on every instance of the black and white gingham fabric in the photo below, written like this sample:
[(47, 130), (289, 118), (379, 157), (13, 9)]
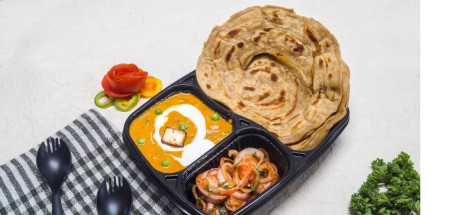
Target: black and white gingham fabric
[(98, 153)]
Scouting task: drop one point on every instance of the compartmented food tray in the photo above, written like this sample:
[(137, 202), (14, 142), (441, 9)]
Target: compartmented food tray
[(245, 133)]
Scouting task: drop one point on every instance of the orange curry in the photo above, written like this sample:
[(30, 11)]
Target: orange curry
[(143, 127)]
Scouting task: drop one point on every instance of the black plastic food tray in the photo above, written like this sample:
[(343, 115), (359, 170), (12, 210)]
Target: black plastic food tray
[(246, 133)]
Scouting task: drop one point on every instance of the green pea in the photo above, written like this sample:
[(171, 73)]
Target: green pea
[(183, 126), (158, 111), (141, 141), (215, 117), (165, 163)]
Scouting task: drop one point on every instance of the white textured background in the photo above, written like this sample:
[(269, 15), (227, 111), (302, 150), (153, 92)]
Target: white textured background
[(53, 55)]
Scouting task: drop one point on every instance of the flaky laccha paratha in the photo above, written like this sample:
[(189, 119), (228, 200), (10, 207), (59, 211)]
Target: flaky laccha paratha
[(282, 70)]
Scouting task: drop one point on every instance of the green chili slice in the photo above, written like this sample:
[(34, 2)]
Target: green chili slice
[(207, 187), (263, 173), (131, 103), (255, 185), (105, 104), (223, 211)]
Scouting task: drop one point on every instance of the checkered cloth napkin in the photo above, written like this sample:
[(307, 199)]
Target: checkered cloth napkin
[(98, 153)]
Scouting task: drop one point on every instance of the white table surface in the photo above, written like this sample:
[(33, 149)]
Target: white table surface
[(53, 55)]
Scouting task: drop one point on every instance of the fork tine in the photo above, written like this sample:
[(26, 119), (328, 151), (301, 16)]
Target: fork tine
[(116, 183), (62, 144), (110, 185), (48, 146), (113, 183), (111, 189), (107, 185), (43, 143), (53, 146), (56, 146)]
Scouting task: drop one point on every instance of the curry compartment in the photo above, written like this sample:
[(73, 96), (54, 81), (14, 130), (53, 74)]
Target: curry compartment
[(251, 137), (143, 118)]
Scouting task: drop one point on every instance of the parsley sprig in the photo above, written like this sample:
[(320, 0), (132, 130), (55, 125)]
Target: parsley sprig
[(403, 189)]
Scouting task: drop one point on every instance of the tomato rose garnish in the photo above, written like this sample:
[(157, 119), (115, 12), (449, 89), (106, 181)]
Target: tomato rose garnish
[(123, 80), (124, 85)]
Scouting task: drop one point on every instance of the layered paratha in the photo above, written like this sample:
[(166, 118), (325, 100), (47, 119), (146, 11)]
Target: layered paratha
[(282, 70)]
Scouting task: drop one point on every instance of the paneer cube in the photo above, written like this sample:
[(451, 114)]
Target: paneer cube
[(173, 137)]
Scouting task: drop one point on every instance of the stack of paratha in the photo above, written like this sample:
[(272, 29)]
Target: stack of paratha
[(282, 70)]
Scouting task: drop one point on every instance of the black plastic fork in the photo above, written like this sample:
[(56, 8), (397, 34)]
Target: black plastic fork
[(114, 197), (54, 161)]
